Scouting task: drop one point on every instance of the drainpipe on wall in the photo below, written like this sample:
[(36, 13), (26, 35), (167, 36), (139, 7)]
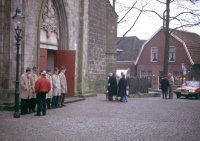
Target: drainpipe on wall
[(191, 72), (135, 70)]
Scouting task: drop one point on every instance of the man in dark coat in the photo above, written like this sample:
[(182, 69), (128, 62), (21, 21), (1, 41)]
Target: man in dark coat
[(122, 88), (164, 86), (112, 86)]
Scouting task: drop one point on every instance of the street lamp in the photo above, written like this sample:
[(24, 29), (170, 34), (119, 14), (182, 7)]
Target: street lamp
[(17, 22)]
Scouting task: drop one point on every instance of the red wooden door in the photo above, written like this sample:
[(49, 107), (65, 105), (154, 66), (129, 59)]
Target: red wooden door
[(67, 59), (43, 59)]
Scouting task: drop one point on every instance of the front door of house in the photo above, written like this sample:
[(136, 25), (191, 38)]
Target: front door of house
[(67, 59)]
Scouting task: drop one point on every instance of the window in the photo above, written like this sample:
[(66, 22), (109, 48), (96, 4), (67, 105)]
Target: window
[(178, 78), (154, 54), (148, 74), (171, 54)]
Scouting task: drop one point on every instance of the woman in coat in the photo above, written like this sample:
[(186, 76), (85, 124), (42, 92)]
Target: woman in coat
[(107, 79), (122, 88), (164, 85), (112, 86)]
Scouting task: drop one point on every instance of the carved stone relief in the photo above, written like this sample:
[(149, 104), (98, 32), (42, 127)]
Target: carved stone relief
[(49, 19)]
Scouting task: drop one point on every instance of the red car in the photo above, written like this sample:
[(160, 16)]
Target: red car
[(189, 89)]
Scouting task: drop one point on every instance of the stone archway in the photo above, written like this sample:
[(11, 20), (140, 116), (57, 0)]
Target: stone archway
[(53, 24)]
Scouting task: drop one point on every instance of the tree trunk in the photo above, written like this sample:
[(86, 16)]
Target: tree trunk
[(166, 56), (114, 4)]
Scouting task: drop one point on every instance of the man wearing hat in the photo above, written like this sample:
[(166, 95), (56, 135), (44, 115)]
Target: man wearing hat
[(49, 94), (42, 87), (25, 91), (56, 88), (171, 85), (33, 78), (63, 85)]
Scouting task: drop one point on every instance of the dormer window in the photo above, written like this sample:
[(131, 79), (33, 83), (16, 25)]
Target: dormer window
[(171, 54), (154, 54)]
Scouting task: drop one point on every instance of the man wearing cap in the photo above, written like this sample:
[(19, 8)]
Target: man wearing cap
[(25, 91), (56, 88), (42, 87), (33, 78), (63, 85), (49, 94), (171, 85)]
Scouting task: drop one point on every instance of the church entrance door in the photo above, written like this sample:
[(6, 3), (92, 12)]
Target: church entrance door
[(67, 59)]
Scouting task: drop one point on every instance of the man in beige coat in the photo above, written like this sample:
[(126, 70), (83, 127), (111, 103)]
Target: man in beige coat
[(56, 88), (49, 94), (171, 85), (63, 85), (25, 91), (33, 78)]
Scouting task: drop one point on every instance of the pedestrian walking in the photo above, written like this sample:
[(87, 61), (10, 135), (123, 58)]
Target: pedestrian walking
[(122, 88), (63, 86), (25, 91), (106, 85), (49, 95), (112, 86), (56, 89), (164, 86), (42, 87), (171, 85), (117, 78), (33, 78)]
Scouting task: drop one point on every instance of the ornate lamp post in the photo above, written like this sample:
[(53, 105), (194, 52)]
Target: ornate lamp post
[(17, 22)]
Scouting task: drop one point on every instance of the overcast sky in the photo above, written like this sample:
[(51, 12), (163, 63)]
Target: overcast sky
[(147, 25)]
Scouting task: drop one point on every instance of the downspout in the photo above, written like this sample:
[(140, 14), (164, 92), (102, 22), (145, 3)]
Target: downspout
[(191, 72), (135, 70)]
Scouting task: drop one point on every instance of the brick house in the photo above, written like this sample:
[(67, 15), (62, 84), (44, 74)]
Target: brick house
[(128, 50), (184, 46)]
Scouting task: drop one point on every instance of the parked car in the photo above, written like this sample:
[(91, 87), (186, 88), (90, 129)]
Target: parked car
[(189, 89)]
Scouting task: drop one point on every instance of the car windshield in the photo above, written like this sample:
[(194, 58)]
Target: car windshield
[(190, 83)]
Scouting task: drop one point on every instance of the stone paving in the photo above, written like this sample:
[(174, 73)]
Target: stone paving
[(95, 119)]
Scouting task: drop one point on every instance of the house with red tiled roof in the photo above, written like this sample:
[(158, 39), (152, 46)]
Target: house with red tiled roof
[(183, 46)]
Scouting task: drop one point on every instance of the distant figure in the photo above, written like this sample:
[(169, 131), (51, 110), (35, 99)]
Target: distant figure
[(112, 86), (164, 85), (122, 88), (63, 86), (56, 88), (42, 87), (106, 85), (183, 68), (25, 91), (33, 78), (49, 95), (171, 85), (128, 75), (117, 78)]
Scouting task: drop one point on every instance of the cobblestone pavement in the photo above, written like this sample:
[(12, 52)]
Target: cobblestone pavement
[(95, 119)]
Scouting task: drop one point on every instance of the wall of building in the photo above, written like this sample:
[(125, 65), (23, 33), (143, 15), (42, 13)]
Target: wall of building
[(145, 63), (125, 66), (92, 32)]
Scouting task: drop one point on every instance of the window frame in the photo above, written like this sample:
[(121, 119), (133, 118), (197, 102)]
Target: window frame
[(156, 54), (174, 54)]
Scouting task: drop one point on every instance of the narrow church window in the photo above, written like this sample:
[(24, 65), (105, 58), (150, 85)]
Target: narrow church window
[(171, 54), (154, 54)]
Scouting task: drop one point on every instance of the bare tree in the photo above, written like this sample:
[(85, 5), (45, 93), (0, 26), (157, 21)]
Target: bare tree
[(185, 13)]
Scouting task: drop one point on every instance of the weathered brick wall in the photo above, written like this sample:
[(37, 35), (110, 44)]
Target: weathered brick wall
[(145, 63), (102, 42)]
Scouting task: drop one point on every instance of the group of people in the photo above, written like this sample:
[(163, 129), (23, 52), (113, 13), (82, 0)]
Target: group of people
[(116, 86), (167, 83), (41, 90)]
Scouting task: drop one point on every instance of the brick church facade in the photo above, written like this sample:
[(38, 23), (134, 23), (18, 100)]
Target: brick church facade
[(84, 32)]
